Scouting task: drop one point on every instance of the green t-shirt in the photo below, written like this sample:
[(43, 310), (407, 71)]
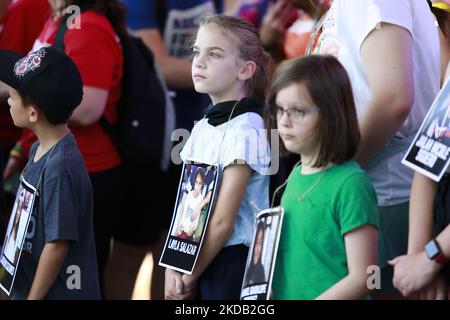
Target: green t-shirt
[(311, 254)]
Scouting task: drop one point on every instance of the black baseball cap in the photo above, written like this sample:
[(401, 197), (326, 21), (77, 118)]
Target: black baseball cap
[(48, 76)]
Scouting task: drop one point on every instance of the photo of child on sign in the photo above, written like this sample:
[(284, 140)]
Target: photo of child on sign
[(262, 255), (193, 206), (15, 235), (189, 210)]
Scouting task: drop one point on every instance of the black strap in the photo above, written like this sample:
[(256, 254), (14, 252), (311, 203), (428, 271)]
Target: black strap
[(62, 29), (59, 43), (218, 6), (161, 14)]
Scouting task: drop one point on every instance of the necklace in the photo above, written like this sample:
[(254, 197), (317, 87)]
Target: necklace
[(301, 197)]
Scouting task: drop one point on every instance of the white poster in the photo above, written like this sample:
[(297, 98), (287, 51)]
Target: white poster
[(15, 235), (195, 199), (429, 152), (262, 255)]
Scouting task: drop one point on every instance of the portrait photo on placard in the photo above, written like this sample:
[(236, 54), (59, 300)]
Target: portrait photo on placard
[(262, 254), (429, 153), (194, 202), (15, 235)]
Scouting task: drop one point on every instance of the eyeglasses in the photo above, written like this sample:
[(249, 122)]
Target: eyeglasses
[(294, 114)]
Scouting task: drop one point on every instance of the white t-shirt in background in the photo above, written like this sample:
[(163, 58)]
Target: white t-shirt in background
[(347, 25)]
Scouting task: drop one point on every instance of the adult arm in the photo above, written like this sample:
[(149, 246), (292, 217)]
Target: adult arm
[(176, 71), (421, 212), (91, 108), (274, 26), (387, 57), (420, 232), (413, 272)]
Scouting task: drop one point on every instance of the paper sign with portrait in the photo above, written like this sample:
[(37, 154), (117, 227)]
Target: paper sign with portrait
[(429, 152), (15, 234), (195, 199), (262, 255)]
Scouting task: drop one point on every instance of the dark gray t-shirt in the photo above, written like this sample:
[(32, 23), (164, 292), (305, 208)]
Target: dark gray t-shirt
[(62, 211)]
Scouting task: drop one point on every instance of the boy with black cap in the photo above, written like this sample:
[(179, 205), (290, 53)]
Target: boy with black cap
[(58, 259)]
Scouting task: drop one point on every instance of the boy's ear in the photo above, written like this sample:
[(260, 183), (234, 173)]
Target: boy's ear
[(33, 114), (247, 70)]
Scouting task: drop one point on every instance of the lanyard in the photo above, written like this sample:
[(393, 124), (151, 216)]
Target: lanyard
[(315, 34)]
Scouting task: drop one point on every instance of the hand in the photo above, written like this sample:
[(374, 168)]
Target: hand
[(174, 288), (413, 272), (190, 284), (14, 165), (275, 22)]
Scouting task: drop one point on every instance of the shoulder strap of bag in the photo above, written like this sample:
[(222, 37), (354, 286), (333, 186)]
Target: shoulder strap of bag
[(62, 29), (161, 14)]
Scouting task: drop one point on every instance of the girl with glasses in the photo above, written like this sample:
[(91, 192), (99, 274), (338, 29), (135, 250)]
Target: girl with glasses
[(329, 235)]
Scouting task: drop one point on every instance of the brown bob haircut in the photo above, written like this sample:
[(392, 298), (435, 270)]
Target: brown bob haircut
[(329, 87)]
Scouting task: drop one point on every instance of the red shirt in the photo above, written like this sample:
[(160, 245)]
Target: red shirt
[(22, 24), (19, 28), (96, 51)]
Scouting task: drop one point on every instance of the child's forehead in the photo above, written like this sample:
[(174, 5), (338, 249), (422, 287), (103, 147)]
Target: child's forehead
[(212, 35), (295, 91)]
